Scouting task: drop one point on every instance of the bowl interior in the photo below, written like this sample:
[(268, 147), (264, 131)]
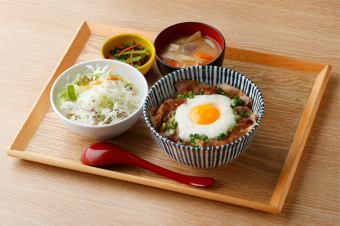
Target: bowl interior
[(187, 29), (212, 75), (124, 70)]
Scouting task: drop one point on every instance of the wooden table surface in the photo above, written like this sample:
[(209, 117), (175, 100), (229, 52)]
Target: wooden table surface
[(33, 36)]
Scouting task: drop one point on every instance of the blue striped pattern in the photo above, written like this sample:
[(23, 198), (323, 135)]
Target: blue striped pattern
[(207, 157)]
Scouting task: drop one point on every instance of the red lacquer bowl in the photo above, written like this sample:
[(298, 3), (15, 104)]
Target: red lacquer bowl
[(166, 36)]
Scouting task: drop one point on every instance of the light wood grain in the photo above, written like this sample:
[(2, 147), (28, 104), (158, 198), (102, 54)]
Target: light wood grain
[(40, 107), (272, 60), (33, 36), (300, 138), (219, 192)]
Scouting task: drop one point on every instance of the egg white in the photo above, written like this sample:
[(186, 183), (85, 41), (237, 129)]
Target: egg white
[(225, 121)]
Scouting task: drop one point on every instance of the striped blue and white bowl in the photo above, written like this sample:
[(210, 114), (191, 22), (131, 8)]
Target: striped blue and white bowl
[(207, 157)]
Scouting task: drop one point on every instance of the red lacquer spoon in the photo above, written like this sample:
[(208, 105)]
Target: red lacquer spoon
[(105, 153)]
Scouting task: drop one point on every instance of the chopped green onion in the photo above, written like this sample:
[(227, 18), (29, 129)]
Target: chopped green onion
[(231, 129), (171, 132), (244, 114), (171, 126), (190, 94), (163, 126), (236, 101), (220, 91), (237, 117), (196, 139), (221, 136), (201, 92), (204, 138)]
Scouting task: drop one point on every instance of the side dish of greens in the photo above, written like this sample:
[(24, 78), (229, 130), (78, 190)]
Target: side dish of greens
[(131, 53), (97, 97)]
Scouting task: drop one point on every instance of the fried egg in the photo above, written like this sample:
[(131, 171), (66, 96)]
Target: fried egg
[(210, 115)]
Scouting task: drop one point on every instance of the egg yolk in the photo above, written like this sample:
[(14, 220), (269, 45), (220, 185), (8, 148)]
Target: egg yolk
[(204, 114)]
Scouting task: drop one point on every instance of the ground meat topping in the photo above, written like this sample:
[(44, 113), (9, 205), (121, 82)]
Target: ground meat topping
[(163, 117)]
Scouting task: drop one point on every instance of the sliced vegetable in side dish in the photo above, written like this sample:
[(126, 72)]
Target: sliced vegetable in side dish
[(71, 93), (131, 53), (97, 97)]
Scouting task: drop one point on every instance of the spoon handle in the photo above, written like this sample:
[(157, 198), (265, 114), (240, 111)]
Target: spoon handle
[(181, 178)]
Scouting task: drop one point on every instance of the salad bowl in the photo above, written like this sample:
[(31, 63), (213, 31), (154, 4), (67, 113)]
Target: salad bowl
[(105, 131)]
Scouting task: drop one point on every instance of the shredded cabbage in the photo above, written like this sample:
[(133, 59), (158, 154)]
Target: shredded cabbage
[(100, 97)]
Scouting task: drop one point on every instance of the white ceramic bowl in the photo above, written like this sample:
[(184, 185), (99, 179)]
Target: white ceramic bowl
[(103, 131)]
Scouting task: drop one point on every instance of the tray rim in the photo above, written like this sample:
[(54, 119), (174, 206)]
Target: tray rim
[(284, 181)]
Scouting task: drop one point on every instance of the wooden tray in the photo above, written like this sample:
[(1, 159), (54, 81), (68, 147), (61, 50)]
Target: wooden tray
[(259, 179)]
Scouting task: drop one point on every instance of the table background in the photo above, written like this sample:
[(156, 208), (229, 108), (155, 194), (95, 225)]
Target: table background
[(34, 35)]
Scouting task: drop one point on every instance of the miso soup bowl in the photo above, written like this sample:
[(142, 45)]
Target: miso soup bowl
[(207, 157), (166, 36)]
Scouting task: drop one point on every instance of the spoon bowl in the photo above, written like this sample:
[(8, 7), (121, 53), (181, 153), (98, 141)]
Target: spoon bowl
[(105, 153)]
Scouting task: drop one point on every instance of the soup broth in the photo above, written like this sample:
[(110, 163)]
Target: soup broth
[(194, 50)]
